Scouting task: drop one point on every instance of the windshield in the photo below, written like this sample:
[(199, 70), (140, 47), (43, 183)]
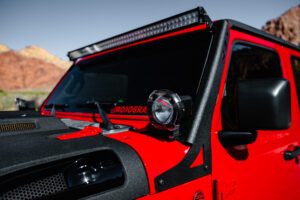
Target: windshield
[(121, 81)]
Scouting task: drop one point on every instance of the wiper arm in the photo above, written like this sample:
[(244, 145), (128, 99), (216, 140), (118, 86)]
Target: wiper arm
[(92, 104), (56, 106)]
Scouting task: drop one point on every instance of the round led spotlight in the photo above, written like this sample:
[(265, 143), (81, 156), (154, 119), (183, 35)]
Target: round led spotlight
[(166, 109)]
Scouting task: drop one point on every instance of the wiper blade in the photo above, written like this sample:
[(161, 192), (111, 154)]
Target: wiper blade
[(95, 104), (56, 106), (107, 103)]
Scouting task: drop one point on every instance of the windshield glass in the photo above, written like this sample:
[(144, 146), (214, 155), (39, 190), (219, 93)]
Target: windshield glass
[(121, 81)]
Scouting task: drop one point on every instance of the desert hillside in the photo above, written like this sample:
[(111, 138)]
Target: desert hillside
[(287, 26), (31, 67), (40, 53), (20, 72), (30, 74), (3, 48)]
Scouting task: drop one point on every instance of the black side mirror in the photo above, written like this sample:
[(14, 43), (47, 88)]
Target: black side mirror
[(22, 104), (264, 104)]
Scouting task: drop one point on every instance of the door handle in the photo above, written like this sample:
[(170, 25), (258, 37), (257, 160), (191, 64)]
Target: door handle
[(289, 155)]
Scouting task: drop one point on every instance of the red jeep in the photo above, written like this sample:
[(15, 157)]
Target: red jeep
[(184, 108)]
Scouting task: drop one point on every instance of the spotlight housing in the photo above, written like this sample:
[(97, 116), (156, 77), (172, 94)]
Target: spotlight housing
[(166, 109)]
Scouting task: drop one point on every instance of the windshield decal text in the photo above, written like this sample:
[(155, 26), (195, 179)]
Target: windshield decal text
[(129, 109)]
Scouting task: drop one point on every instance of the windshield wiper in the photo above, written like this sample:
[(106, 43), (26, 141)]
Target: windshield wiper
[(95, 104), (56, 106)]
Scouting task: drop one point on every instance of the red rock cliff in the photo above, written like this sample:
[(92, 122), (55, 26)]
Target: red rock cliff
[(287, 26)]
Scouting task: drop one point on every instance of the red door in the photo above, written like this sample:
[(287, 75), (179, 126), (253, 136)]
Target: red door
[(257, 170)]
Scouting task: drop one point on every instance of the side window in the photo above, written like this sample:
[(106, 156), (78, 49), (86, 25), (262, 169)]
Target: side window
[(296, 69), (247, 62)]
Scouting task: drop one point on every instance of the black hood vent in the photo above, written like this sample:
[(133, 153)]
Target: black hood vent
[(16, 123), (16, 127)]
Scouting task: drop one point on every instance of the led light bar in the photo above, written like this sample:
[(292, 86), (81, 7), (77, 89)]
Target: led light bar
[(180, 21)]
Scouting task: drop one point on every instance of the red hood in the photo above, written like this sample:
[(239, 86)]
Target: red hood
[(157, 155)]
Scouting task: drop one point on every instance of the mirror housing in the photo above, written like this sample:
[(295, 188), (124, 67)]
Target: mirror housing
[(264, 104), (231, 138), (23, 104)]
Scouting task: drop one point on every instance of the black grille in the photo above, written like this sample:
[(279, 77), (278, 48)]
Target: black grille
[(38, 189), (16, 127)]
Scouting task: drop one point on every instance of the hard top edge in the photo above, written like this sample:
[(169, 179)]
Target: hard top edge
[(239, 26)]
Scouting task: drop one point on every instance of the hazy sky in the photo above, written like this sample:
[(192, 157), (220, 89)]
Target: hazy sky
[(63, 25)]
